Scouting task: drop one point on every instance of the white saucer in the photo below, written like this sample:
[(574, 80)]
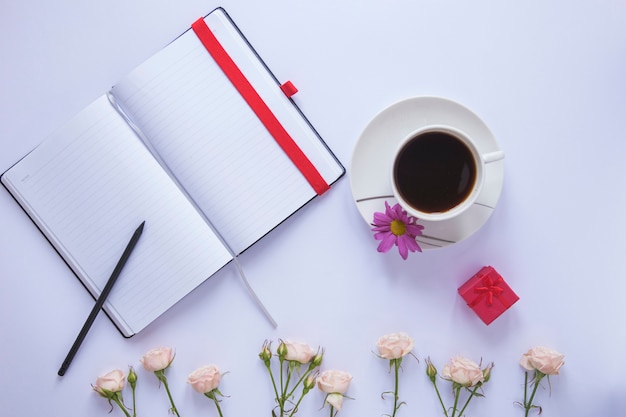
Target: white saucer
[(373, 154)]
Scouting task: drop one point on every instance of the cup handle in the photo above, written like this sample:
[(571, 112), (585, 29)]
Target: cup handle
[(492, 156)]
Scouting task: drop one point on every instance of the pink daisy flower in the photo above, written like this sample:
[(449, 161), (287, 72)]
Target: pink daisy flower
[(396, 227)]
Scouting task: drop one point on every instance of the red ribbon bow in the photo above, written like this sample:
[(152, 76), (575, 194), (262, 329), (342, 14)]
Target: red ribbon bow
[(490, 288)]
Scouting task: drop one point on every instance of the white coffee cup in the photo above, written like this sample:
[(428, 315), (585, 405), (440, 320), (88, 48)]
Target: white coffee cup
[(438, 172)]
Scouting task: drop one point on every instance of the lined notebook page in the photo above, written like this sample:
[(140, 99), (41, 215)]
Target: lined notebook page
[(213, 142), (88, 187)]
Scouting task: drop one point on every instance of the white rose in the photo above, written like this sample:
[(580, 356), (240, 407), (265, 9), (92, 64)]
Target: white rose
[(395, 345), (334, 382), (463, 371), (157, 359), (110, 383), (545, 360), (299, 352), (205, 379)]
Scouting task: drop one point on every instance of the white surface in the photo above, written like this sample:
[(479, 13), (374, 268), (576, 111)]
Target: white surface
[(546, 77), (371, 165)]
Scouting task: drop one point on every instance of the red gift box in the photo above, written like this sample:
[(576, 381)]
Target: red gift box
[(488, 294)]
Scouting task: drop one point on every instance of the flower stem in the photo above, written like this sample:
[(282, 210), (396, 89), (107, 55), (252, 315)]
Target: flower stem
[(526, 392), (304, 375), (472, 392), (295, 408), (217, 403), (396, 363), (445, 412), (119, 403), (269, 370), (290, 368), (134, 403), (161, 376), (525, 387), (281, 397), (528, 405), (456, 400)]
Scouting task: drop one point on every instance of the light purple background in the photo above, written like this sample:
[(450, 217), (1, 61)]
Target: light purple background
[(548, 78)]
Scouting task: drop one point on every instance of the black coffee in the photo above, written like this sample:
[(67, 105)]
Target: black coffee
[(434, 172)]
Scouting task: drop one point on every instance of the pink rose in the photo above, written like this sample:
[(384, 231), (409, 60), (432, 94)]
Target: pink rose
[(205, 379), (546, 361), (463, 371), (299, 352), (395, 345), (110, 383), (334, 382), (157, 359)]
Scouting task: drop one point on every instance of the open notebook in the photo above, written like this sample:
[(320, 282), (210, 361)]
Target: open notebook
[(176, 144)]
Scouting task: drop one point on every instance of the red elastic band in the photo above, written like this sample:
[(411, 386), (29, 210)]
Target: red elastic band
[(260, 108)]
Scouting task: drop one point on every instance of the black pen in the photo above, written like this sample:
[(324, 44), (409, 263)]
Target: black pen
[(101, 299)]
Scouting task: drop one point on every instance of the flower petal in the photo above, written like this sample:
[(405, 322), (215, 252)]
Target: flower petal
[(414, 229), (382, 235), (382, 218), (398, 212), (335, 400), (387, 243), (411, 244), (402, 248)]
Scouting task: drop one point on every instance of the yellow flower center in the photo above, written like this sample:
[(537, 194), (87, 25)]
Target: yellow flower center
[(397, 227)]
